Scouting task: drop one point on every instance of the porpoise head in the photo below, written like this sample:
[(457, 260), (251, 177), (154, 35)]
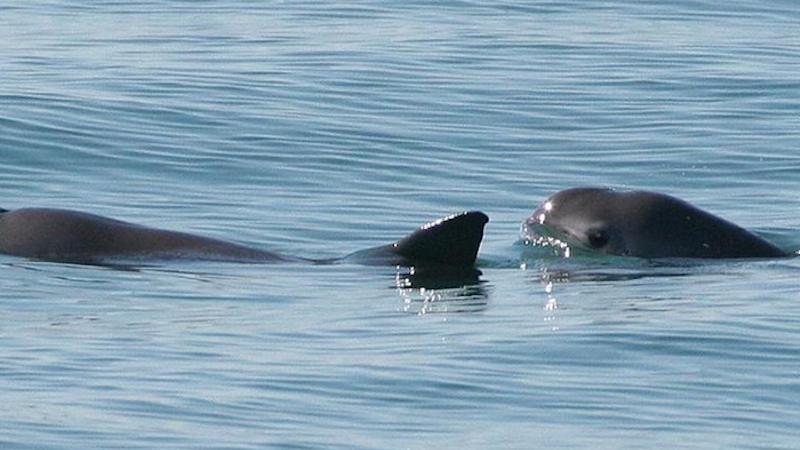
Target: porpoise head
[(642, 224), (585, 217)]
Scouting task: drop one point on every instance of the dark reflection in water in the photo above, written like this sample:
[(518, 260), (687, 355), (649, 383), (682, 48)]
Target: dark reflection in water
[(605, 274), (426, 290), (569, 264)]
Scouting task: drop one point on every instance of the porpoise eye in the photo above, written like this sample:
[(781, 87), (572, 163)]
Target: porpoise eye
[(597, 238)]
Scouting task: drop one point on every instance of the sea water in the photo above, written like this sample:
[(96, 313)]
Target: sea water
[(318, 128)]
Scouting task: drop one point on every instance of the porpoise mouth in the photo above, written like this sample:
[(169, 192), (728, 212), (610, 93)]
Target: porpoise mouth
[(534, 228), (534, 234)]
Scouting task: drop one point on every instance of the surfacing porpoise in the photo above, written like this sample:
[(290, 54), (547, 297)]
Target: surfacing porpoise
[(79, 237), (643, 224)]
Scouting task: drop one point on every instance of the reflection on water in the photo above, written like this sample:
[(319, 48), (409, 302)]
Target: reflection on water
[(426, 290), (611, 269)]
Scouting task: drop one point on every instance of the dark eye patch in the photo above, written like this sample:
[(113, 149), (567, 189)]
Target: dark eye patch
[(597, 238)]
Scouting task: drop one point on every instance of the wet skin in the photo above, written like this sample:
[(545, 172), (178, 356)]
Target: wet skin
[(643, 224), (73, 236)]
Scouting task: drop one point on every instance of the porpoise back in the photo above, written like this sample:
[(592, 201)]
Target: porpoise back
[(73, 236)]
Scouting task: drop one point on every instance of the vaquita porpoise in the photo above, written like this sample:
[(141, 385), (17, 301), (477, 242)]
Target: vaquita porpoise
[(72, 236), (642, 224)]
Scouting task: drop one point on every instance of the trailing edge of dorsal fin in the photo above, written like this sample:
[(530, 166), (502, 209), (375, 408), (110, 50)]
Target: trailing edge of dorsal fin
[(453, 240)]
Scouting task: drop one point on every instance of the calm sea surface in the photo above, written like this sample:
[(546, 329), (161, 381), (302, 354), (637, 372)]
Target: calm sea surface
[(318, 128)]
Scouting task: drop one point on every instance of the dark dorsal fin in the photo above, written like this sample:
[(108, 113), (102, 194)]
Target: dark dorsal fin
[(453, 240)]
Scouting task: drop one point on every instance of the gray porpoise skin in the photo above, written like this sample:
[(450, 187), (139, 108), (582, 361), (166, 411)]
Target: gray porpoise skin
[(643, 224), (72, 236)]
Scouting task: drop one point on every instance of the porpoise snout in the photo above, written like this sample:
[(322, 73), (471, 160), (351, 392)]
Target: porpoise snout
[(533, 225)]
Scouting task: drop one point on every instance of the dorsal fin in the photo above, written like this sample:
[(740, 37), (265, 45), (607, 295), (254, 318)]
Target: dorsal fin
[(453, 240)]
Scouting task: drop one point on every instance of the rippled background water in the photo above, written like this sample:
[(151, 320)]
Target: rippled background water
[(319, 128)]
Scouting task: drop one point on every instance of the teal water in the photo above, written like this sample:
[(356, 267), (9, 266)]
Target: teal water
[(320, 128)]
